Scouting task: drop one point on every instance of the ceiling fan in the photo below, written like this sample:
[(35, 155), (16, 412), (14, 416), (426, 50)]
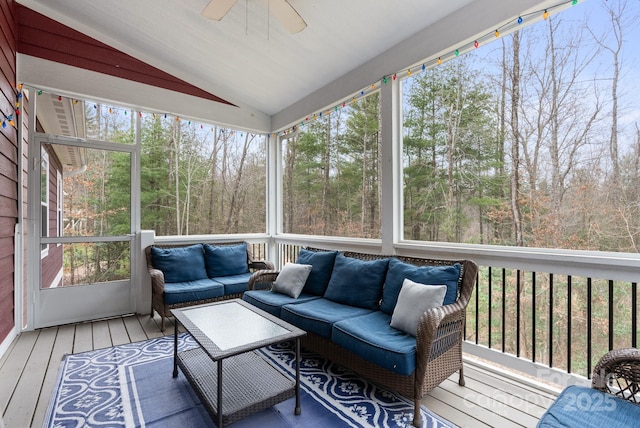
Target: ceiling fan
[(281, 9)]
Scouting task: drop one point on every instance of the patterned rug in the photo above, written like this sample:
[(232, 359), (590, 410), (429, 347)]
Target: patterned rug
[(131, 386)]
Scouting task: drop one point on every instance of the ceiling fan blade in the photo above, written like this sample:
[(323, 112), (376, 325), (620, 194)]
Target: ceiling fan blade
[(217, 9), (287, 15)]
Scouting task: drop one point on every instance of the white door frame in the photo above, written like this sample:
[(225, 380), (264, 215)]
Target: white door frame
[(64, 305)]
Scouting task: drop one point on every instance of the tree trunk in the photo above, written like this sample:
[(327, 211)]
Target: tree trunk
[(515, 145)]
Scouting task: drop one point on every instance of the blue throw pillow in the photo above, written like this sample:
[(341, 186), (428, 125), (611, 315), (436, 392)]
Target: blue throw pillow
[(430, 275), (225, 260), (356, 282), (180, 264), (322, 266)]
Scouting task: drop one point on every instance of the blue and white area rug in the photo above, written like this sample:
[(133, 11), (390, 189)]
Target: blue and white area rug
[(132, 386)]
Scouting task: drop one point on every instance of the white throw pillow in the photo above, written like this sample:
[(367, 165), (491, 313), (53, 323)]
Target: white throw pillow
[(291, 279), (413, 301)]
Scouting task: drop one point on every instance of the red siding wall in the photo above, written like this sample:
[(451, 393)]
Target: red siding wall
[(42, 37), (8, 165)]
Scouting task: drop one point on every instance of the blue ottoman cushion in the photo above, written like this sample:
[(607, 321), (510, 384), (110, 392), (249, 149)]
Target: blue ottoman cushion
[(583, 407)]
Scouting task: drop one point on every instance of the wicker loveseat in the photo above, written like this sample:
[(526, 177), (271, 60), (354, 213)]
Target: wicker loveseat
[(359, 336), (612, 401), (188, 274)]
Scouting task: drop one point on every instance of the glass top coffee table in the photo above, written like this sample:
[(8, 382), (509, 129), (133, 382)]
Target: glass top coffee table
[(225, 370)]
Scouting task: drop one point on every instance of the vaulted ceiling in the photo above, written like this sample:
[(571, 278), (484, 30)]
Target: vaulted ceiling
[(248, 59)]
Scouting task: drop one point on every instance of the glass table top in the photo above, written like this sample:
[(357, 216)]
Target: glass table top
[(229, 325)]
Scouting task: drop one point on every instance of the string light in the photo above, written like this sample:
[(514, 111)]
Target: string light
[(476, 44), (545, 15)]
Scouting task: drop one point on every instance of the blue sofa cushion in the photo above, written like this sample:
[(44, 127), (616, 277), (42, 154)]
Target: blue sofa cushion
[(189, 291), (579, 406), (317, 316), (372, 338), (430, 275), (273, 302), (225, 260), (179, 264), (321, 267), (234, 284), (356, 282)]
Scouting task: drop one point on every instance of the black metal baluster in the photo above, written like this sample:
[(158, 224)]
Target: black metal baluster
[(504, 298), (589, 291), (477, 291), (610, 314), (489, 309), (533, 316), (568, 323), (518, 313), (634, 314), (550, 320)]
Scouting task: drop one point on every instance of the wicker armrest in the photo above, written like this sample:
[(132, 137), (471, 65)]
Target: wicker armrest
[(262, 279), (618, 373), (439, 330), (261, 265), (157, 279)]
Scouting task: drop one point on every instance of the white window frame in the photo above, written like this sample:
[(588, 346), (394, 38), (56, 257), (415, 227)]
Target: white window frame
[(44, 205)]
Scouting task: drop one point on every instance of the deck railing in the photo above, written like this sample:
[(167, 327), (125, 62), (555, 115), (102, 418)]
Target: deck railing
[(544, 312), (538, 321)]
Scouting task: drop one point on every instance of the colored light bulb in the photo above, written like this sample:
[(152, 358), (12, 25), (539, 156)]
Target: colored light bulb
[(476, 44), (519, 20), (545, 15), (439, 61)]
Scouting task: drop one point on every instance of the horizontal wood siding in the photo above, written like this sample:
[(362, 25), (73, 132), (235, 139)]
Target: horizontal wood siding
[(8, 165), (42, 37)]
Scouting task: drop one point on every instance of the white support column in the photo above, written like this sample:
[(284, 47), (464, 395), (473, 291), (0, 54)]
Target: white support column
[(274, 196), (391, 211)]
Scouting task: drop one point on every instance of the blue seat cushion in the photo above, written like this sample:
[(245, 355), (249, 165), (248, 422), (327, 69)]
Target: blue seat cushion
[(189, 291), (317, 316), (225, 260), (273, 302), (321, 267), (356, 282), (429, 275), (234, 284), (372, 338), (179, 264), (583, 407)]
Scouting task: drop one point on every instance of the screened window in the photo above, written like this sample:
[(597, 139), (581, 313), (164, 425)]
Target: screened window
[(331, 173), (530, 140)]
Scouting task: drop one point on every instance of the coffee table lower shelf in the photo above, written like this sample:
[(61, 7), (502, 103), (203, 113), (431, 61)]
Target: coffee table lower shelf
[(249, 383)]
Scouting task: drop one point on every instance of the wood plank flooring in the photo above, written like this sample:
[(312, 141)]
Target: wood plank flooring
[(29, 369)]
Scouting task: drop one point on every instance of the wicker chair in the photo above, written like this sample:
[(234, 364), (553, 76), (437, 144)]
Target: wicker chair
[(438, 342), (612, 400), (157, 281), (618, 373)]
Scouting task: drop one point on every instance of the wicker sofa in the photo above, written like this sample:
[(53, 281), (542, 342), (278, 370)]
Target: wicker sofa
[(188, 274), (355, 330), (612, 401)]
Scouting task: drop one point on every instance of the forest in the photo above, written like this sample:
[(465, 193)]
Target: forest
[(530, 141)]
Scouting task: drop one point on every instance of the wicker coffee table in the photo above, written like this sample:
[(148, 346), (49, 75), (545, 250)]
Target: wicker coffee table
[(225, 370)]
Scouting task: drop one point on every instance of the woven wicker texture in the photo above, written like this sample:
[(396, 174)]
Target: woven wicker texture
[(438, 342), (618, 373), (157, 281), (249, 383)]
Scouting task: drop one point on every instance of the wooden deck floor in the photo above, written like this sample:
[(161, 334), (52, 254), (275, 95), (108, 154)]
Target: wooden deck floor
[(29, 369)]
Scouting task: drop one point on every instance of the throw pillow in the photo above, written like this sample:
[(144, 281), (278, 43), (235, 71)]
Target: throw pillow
[(356, 282), (322, 262), (291, 279), (413, 301), (226, 260), (398, 270), (179, 264)]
